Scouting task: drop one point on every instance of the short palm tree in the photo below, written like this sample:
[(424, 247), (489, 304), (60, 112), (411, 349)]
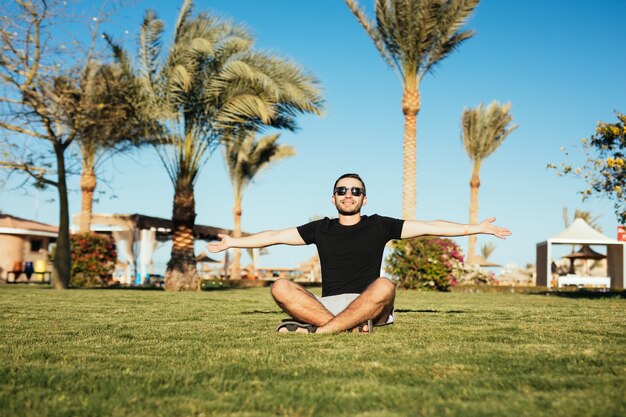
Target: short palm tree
[(487, 250), (210, 82), (105, 125), (413, 36), (484, 130), (587, 216), (245, 158)]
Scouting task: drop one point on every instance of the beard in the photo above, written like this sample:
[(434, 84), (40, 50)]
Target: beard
[(355, 209)]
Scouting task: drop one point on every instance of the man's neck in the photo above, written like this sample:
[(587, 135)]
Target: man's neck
[(349, 220)]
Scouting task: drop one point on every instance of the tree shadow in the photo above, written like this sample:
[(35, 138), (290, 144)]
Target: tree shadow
[(583, 293), (405, 310), (260, 312)]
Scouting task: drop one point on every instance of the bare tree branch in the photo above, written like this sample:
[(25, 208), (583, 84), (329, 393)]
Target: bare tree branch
[(18, 129), (35, 172)]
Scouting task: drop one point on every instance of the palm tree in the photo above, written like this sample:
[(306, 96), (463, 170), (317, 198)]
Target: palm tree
[(245, 158), (413, 36), (105, 126), (209, 83), (484, 130), (487, 250), (587, 216)]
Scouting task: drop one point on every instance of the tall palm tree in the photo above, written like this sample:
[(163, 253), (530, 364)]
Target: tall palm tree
[(413, 36), (484, 130), (209, 83), (245, 158)]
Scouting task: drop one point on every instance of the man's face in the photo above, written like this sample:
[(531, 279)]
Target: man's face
[(348, 204)]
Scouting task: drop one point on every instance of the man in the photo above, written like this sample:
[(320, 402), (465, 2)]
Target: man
[(354, 296)]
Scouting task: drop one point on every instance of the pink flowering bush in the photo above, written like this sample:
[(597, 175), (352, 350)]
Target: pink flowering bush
[(425, 263), (93, 259)]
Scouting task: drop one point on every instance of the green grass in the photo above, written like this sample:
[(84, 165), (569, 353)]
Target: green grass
[(146, 353)]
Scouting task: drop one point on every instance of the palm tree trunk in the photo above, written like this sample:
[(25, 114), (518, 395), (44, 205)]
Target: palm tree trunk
[(473, 215), (88, 183), (62, 256), (181, 271), (235, 269), (410, 108)]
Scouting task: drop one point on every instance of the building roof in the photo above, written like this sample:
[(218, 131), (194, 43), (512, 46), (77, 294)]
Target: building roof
[(163, 227), (580, 232), (13, 225)]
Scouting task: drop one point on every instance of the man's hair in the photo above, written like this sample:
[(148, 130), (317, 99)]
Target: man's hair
[(355, 176)]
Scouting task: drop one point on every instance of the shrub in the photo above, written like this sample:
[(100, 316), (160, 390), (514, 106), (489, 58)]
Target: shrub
[(466, 274), (93, 259), (424, 263)]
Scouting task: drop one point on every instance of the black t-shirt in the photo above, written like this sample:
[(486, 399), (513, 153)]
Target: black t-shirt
[(351, 256)]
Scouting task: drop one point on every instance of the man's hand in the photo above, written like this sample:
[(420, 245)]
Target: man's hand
[(219, 245), (487, 227)]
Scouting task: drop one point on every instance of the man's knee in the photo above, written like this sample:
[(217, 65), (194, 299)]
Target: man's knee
[(384, 288), (280, 288)]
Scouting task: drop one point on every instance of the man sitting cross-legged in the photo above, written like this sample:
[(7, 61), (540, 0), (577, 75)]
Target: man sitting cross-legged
[(350, 248)]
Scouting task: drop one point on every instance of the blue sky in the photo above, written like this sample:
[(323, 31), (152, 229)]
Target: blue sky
[(560, 63)]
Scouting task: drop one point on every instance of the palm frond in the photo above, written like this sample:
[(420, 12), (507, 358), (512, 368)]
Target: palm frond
[(183, 17), (120, 55), (233, 45), (371, 30), (446, 48), (292, 87), (179, 82), (485, 128), (150, 45), (487, 250), (246, 156), (450, 17), (413, 36), (245, 107)]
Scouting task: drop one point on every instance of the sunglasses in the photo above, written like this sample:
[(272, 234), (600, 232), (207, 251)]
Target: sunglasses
[(355, 191)]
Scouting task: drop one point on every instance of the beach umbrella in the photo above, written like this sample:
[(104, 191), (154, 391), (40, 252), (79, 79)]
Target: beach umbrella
[(203, 257), (585, 252)]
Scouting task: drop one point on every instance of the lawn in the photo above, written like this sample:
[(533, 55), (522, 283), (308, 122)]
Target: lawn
[(147, 353)]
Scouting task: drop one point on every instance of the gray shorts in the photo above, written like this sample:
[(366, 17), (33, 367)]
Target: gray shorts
[(337, 303)]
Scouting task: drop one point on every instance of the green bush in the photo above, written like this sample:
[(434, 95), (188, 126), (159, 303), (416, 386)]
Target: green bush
[(424, 263), (93, 260)]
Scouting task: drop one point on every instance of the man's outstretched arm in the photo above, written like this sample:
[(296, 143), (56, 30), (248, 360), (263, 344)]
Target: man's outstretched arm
[(414, 228), (257, 240)]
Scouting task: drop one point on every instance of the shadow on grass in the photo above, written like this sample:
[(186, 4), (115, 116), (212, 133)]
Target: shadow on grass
[(589, 294), (405, 310), (261, 312), (121, 287)]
